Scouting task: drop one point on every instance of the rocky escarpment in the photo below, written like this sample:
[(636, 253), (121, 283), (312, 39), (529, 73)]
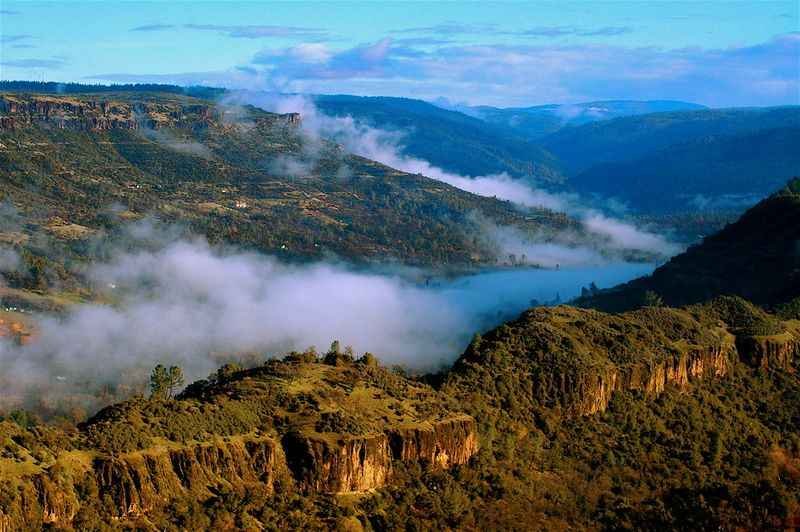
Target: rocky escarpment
[(776, 351), (133, 484), (339, 465), (139, 482), (447, 443), (100, 114), (239, 429), (352, 464), (576, 359), (593, 393)]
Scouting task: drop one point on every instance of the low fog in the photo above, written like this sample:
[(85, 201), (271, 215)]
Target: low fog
[(184, 302)]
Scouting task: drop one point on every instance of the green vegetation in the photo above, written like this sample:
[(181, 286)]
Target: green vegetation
[(165, 382), (718, 449), (790, 310), (52, 87), (564, 418)]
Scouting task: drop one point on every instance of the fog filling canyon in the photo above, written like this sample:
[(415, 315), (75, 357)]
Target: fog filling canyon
[(190, 304), (184, 302)]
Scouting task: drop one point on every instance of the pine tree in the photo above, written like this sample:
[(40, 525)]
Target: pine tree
[(335, 348), (175, 380), (159, 382)]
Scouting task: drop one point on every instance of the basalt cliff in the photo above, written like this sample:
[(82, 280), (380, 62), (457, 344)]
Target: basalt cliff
[(306, 426), (574, 359), (100, 113)]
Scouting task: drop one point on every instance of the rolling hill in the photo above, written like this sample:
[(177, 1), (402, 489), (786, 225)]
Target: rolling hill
[(630, 138)]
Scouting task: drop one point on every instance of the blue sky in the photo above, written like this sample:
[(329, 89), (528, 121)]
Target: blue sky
[(717, 53)]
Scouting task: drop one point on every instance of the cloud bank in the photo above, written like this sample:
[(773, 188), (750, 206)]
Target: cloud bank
[(427, 67)]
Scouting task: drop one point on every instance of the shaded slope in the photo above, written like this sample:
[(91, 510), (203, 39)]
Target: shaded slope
[(757, 257), (448, 139)]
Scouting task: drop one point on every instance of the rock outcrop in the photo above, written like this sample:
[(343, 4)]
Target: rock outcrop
[(99, 114), (594, 393), (340, 465), (139, 482), (777, 351), (446, 443)]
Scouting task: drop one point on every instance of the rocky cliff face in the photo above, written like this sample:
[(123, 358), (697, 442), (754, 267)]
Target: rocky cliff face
[(777, 351), (135, 483), (65, 113), (351, 449), (339, 466), (95, 114), (447, 443), (364, 463), (595, 392)]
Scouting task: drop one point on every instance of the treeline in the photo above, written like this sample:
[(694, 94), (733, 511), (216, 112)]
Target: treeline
[(54, 87)]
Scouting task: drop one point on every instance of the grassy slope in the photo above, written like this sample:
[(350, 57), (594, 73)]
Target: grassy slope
[(373, 212)]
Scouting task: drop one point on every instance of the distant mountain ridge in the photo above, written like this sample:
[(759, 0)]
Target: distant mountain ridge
[(538, 121), (699, 160), (629, 138), (707, 173)]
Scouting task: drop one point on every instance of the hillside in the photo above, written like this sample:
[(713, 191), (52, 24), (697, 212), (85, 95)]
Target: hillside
[(660, 419), (757, 257), (708, 173), (630, 138), (449, 139), (563, 418), (540, 120), (238, 175)]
